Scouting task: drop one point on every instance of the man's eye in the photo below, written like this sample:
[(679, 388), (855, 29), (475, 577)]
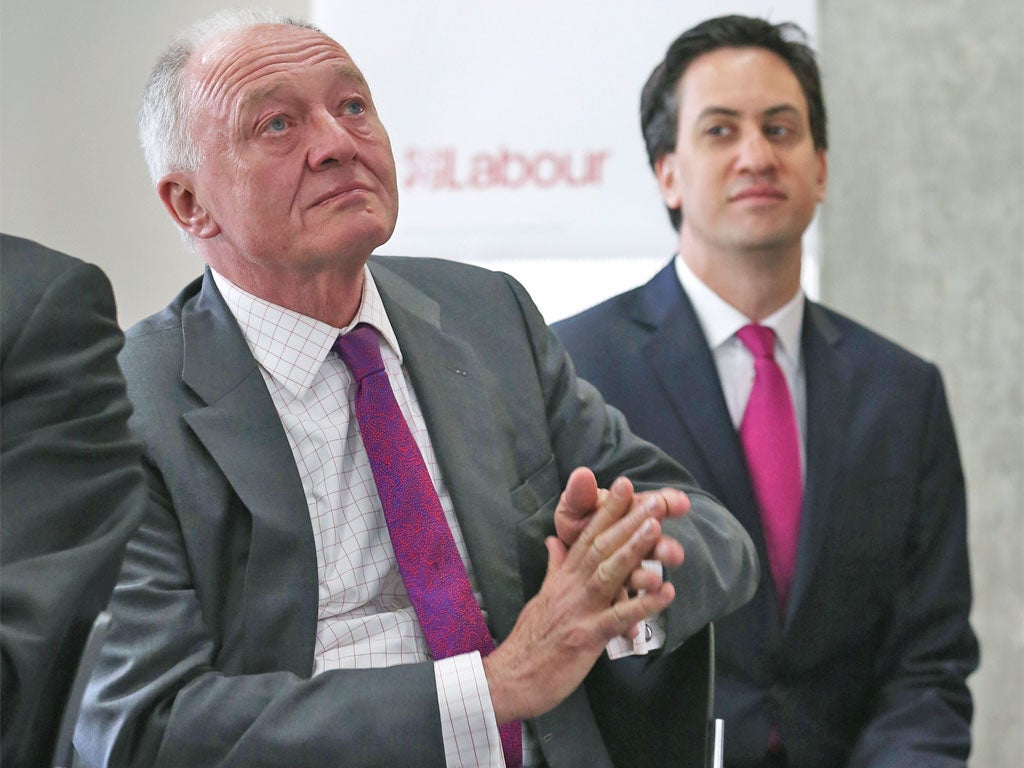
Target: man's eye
[(777, 130), (718, 130), (276, 124), (354, 107)]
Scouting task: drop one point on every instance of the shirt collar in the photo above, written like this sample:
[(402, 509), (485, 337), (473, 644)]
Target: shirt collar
[(291, 346), (720, 320)]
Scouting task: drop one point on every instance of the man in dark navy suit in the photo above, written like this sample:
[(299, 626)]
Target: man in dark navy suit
[(856, 647)]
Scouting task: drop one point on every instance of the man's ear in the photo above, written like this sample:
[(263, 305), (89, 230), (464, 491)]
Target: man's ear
[(822, 174), (667, 172), (179, 198)]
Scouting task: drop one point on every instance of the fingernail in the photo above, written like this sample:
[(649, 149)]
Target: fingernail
[(621, 487)]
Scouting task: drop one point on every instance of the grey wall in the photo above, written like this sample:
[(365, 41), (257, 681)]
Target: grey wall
[(922, 235), (923, 239)]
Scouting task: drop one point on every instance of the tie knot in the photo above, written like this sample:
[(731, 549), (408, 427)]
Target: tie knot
[(759, 339), (360, 351)]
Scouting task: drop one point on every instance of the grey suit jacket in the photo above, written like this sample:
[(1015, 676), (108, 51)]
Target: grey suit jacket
[(869, 665), (216, 608)]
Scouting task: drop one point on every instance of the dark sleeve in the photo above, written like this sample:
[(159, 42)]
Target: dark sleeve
[(922, 715), (71, 491), (720, 570)]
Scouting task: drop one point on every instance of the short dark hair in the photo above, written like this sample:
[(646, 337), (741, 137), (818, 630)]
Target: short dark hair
[(659, 110)]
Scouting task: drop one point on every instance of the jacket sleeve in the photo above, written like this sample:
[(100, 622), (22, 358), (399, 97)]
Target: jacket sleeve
[(922, 714), (720, 570), (72, 490)]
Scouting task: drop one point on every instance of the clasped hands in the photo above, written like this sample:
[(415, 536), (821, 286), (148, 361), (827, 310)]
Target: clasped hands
[(595, 589)]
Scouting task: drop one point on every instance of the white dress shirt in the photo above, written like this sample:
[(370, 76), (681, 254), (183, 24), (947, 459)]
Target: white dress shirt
[(365, 618), (735, 363)]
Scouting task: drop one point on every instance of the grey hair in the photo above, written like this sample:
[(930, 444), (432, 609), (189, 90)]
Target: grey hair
[(164, 115)]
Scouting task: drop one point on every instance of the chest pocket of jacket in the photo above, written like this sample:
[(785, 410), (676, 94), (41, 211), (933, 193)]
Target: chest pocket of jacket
[(538, 490)]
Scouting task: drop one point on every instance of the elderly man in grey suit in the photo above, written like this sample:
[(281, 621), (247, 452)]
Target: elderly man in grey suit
[(273, 609)]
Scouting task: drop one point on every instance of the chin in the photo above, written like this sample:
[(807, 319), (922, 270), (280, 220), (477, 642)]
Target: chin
[(347, 246)]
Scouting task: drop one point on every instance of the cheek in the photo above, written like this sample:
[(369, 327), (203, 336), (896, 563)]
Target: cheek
[(814, 173), (387, 175), (383, 164), (272, 189), (701, 187)]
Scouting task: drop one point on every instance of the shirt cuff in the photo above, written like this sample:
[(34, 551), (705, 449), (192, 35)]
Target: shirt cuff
[(650, 631), (468, 725)]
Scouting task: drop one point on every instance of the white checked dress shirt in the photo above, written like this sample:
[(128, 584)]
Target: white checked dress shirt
[(365, 618)]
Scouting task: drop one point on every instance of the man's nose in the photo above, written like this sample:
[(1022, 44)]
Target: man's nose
[(757, 155), (331, 141)]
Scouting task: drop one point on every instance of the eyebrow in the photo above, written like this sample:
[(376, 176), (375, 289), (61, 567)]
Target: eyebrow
[(257, 96), (351, 72)]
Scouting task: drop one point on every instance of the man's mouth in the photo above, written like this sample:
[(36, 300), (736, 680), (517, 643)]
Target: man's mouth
[(337, 192), (761, 192)]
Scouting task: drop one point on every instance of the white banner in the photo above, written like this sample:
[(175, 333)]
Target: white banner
[(516, 131)]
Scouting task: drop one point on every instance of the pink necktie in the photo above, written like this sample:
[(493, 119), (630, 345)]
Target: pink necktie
[(771, 443), (432, 570)]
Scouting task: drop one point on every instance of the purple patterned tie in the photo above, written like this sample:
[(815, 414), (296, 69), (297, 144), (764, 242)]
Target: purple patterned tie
[(432, 570), (771, 443)]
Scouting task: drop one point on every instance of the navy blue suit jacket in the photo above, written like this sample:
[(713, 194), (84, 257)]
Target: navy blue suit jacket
[(868, 666)]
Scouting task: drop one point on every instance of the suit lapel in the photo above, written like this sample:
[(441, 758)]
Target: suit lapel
[(450, 384), (828, 378), (240, 428), (679, 355)]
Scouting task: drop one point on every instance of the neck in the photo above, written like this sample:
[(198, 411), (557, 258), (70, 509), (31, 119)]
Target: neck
[(756, 282), (331, 296)]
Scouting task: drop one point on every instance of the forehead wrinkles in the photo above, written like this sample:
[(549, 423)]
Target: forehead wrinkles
[(228, 68)]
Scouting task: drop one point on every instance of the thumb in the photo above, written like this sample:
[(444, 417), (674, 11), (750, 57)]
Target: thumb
[(581, 493)]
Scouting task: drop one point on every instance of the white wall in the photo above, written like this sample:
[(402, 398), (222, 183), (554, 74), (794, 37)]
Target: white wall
[(517, 135)]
